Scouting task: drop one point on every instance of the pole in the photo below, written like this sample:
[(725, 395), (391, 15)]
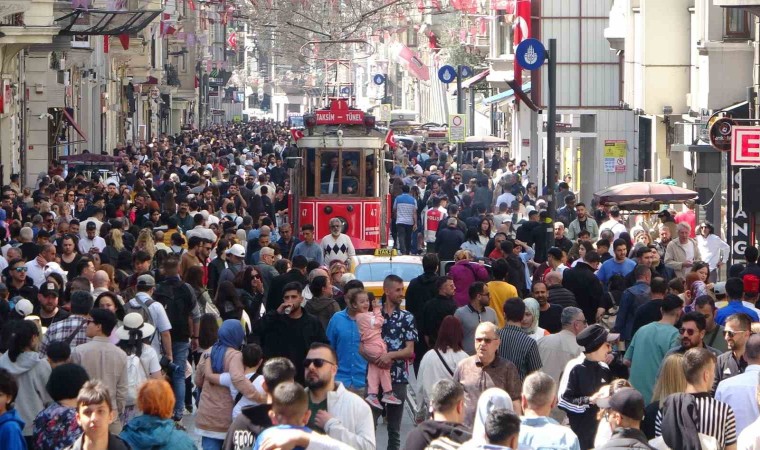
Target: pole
[(385, 89), (460, 110), (551, 129), (471, 91)]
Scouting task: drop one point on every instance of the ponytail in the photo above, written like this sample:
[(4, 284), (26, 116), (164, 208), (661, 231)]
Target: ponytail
[(21, 338)]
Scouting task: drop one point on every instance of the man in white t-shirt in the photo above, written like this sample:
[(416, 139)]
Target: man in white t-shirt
[(145, 287), (614, 224)]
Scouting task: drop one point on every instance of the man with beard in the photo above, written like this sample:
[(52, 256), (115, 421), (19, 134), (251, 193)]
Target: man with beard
[(48, 308), (692, 333), (335, 411), (550, 316), (662, 242), (289, 330), (440, 306)]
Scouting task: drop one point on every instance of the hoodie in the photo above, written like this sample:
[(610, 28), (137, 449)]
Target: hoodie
[(246, 427), (322, 308), (10, 431), (152, 432), (429, 430), (31, 373)]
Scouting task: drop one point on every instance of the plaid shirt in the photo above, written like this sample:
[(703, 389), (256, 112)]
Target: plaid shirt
[(61, 330)]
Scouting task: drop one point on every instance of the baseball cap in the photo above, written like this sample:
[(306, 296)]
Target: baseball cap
[(49, 289), (236, 250), (627, 401), (146, 281), (720, 288), (24, 307), (751, 284)]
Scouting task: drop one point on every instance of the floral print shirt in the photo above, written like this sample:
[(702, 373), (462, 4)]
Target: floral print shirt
[(55, 427), (398, 329)]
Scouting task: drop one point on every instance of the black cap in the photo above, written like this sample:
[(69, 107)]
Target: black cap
[(628, 402), (593, 337), (91, 226), (49, 288)]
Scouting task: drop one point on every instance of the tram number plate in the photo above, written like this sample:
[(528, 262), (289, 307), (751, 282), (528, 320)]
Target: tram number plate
[(385, 252)]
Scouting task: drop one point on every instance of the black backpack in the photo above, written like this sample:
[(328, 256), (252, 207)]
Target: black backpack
[(176, 297)]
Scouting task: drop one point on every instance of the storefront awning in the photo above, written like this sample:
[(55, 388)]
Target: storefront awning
[(67, 116), (470, 81), (105, 23), (504, 96)]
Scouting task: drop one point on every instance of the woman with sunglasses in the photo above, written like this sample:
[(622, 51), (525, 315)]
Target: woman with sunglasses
[(250, 287)]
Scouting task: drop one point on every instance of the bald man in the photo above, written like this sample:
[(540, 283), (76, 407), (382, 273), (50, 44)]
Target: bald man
[(558, 295), (100, 283)]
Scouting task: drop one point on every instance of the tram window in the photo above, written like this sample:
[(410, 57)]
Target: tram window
[(310, 172), (350, 173), (330, 175), (370, 174)]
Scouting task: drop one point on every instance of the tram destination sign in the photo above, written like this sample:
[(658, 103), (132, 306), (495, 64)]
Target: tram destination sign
[(338, 114)]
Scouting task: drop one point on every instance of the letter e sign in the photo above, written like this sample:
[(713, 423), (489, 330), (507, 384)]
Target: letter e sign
[(745, 146)]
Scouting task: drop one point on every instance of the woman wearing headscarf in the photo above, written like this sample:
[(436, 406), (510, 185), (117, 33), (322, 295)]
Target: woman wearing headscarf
[(215, 406), (490, 399), (530, 320)]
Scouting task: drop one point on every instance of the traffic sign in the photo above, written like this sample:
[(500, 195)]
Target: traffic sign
[(378, 79), (530, 54), (720, 134), (457, 127), (447, 74), (466, 71), (385, 112), (745, 146)]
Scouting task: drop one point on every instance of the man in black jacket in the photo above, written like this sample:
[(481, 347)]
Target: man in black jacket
[(418, 293), (447, 402), (435, 310), (624, 414), (449, 240), (253, 420), (586, 287), (297, 273), (558, 295)]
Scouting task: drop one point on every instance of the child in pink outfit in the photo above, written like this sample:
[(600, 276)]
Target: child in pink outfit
[(372, 344)]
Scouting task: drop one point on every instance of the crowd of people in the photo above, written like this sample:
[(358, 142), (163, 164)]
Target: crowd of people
[(176, 285)]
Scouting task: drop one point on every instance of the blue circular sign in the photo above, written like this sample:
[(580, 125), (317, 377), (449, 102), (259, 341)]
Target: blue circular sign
[(447, 74), (466, 71), (378, 79), (530, 54)]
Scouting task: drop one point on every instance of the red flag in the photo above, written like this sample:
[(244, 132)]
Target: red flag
[(296, 134), (389, 140), (521, 32), (411, 62), (191, 4), (124, 39), (105, 43), (197, 84)]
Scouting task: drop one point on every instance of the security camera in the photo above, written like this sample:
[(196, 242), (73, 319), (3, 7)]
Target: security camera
[(340, 133)]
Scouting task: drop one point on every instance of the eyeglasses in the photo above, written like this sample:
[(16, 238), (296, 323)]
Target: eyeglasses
[(318, 362), (20, 269), (484, 340), (334, 226), (687, 331), (256, 276), (731, 334)]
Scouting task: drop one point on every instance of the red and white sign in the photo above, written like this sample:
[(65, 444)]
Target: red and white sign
[(745, 146), (339, 113), (231, 39)]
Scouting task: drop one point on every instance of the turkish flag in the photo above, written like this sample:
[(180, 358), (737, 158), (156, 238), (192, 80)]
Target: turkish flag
[(105, 43), (296, 134), (124, 39), (521, 32), (389, 140), (411, 62)]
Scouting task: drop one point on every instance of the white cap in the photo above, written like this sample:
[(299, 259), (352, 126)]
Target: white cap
[(236, 250), (24, 307)]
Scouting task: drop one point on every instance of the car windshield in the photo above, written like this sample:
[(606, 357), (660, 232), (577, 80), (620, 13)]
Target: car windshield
[(377, 271)]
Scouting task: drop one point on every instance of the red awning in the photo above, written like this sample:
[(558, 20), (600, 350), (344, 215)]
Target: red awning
[(72, 122)]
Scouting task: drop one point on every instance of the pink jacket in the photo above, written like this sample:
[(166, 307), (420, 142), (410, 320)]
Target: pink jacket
[(464, 273), (370, 326)]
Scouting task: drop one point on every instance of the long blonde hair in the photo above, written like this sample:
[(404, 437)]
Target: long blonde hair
[(145, 242), (117, 240), (671, 380)]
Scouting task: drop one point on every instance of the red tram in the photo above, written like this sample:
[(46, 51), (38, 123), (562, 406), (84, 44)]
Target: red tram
[(340, 173)]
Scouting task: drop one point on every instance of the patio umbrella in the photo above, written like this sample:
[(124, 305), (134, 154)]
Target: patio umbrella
[(642, 195)]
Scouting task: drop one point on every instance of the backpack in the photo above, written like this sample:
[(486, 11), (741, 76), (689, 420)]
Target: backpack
[(136, 376), (143, 309), (177, 298)]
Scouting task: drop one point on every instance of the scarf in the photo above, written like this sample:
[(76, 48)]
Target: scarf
[(531, 305), (231, 335)]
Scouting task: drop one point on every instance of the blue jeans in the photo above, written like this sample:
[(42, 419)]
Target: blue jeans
[(208, 443), (179, 351)]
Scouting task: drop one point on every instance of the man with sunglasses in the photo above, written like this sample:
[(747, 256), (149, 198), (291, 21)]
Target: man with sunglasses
[(18, 281), (692, 332), (336, 411), (737, 331)]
